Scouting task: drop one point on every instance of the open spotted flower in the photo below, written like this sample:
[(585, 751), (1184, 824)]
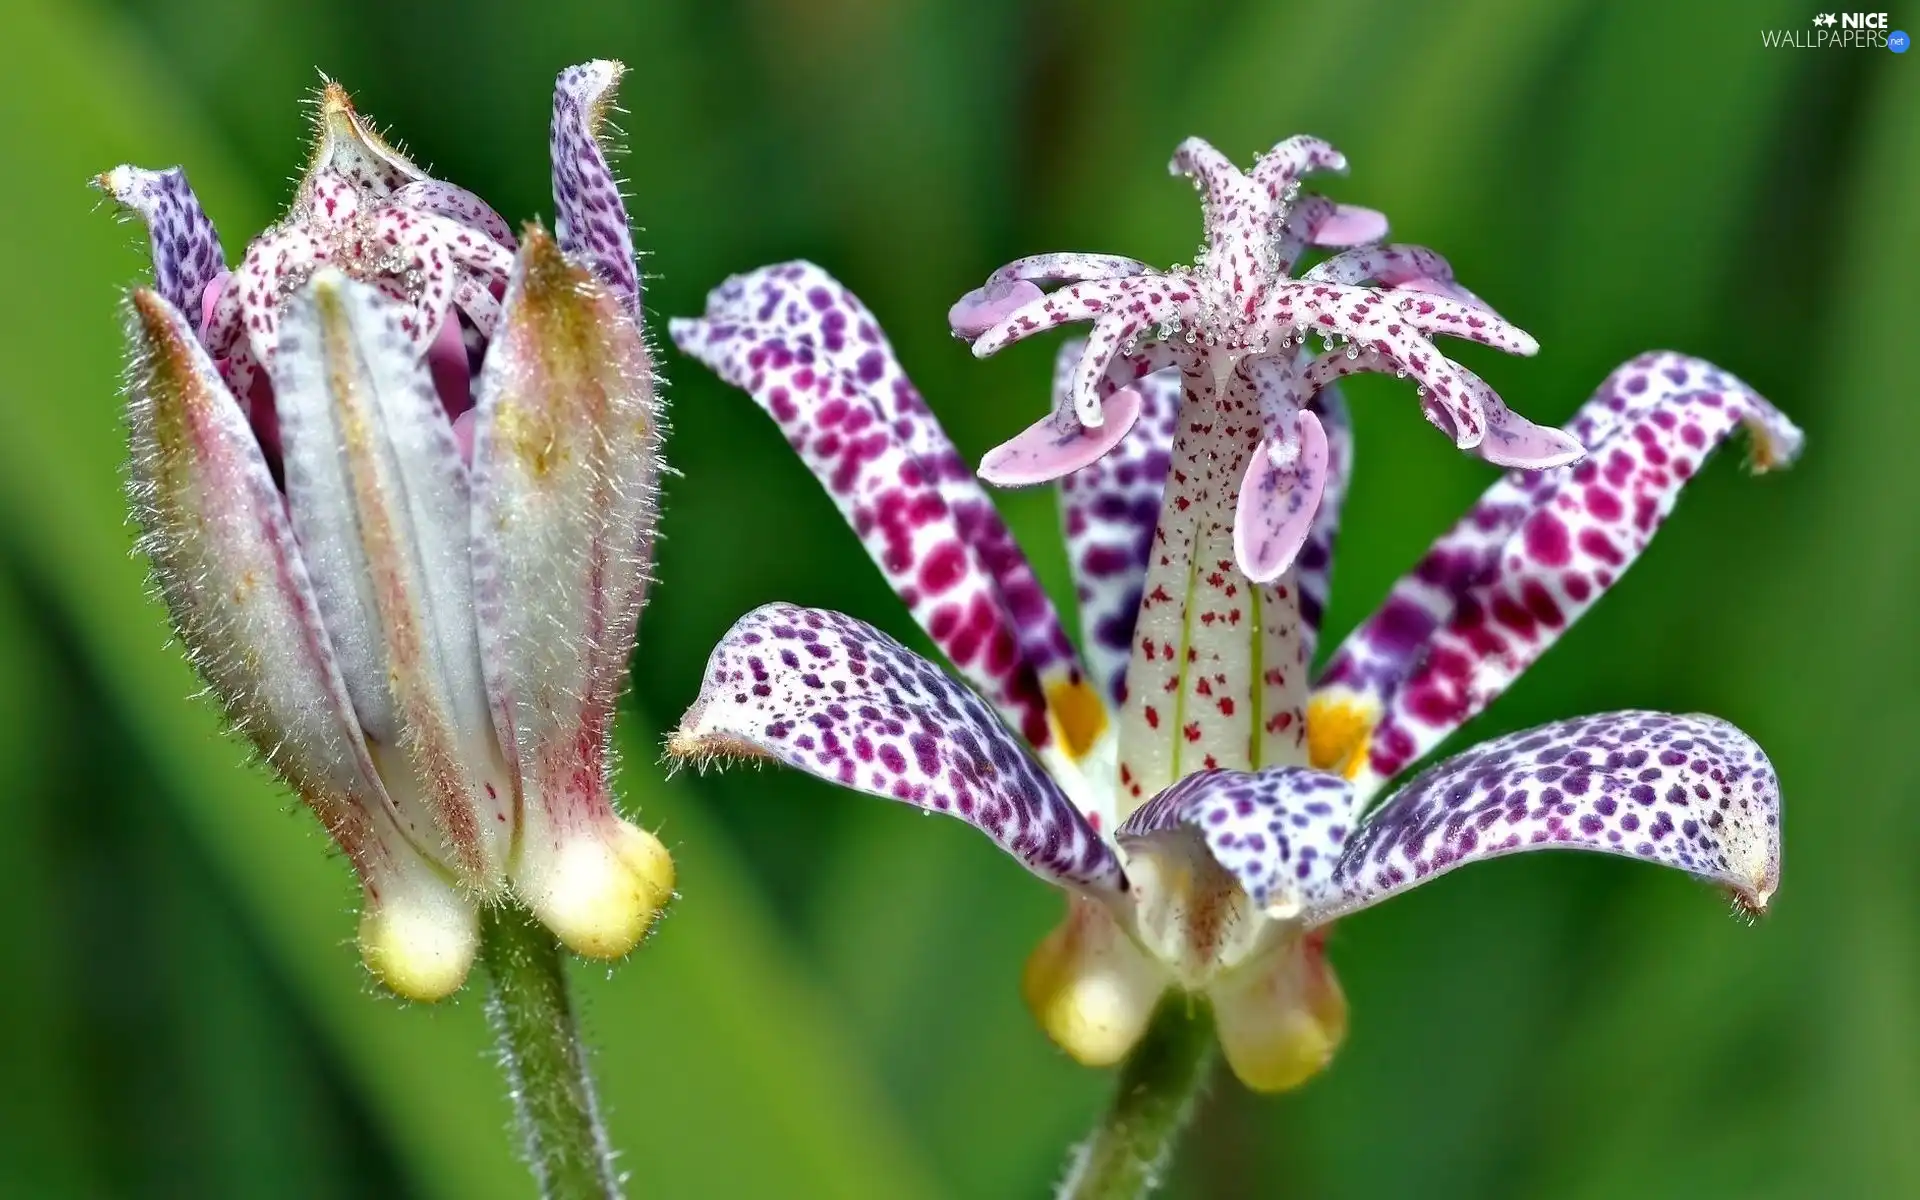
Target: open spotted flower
[(1238, 326), (1205, 810), (396, 477)]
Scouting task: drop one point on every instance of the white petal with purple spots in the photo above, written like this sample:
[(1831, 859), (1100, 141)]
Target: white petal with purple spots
[(841, 700)]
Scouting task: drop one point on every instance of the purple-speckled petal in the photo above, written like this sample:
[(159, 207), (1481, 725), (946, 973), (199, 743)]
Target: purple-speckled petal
[(186, 250), (1534, 554), (840, 700), (1015, 285), (458, 204), (812, 355), (590, 219), (1691, 792), (1279, 832), (1109, 509)]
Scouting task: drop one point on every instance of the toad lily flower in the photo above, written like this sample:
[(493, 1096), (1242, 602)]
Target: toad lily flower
[(1236, 324), (1208, 831), (395, 475)]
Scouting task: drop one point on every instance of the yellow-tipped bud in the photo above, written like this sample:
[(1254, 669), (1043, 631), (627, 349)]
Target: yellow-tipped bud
[(599, 893), (1281, 1018), (1090, 988)]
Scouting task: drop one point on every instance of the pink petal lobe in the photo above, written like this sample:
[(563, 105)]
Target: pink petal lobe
[(986, 306), (1042, 453), (1279, 497)]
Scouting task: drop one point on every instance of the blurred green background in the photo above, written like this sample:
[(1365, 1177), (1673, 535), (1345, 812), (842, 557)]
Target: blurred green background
[(831, 1010)]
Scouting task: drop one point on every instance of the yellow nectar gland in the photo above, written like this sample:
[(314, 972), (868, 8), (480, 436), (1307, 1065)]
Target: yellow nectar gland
[(1077, 715), (1338, 733)]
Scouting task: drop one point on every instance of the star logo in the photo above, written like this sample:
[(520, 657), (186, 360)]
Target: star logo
[(1824, 19)]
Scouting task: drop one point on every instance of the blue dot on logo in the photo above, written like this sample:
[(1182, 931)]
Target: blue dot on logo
[(1898, 41)]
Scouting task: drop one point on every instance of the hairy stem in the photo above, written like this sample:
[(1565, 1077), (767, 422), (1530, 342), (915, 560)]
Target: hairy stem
[(1128, 1152), (562, 1140)]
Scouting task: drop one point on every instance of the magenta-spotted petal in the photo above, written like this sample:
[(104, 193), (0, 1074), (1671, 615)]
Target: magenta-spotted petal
[(813, 356), (1109, 509), (1278, 832), (838, 699), (1241, 220), (590, 218), (1016, 285), (186, 250), (1690, 792), (458, 204), (1534, 554)]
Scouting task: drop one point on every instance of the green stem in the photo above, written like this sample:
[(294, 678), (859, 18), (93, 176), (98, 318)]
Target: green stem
[(1129, 1150), (563, 1142)]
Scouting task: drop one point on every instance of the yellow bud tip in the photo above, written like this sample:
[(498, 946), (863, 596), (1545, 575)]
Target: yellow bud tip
[(1281, 1019), (1091, 990), (599, 893), (420, 951), (1079, 717)]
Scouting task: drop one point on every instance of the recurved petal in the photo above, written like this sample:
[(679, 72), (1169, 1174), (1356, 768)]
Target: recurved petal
[(1109, 509), (841, 700), (237, 588), (1277, 831), (812, 355), (1534, 554), (1690, 792), (590, 218), (458, 204), (186, 250), (379, 501), (566, 463), (1016, 284)]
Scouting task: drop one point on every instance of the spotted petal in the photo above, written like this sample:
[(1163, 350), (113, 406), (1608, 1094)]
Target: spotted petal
[(1109, 509), (186, 250), (1278, 832), (1241, 223), (1690, 792), (590, 219), (1016, 285), (812, 355), (840, 700), (1533, 555)]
